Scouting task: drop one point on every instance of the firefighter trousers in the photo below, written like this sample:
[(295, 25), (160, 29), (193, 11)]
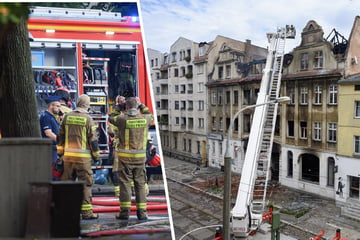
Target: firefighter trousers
[(83, 172), (128, 173)]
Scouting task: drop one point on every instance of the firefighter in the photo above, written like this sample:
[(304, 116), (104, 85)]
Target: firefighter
[(50, 128), (131, 149), (119, 108), (78, 143), (64, 95)]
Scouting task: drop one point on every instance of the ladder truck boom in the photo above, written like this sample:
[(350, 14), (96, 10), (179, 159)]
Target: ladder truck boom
[(246, 216)]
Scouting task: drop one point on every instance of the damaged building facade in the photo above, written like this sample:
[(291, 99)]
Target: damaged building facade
[(317, 135), (310, 121), (233, 83)]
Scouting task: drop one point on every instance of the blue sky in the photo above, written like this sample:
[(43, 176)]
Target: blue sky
[(164, 21)]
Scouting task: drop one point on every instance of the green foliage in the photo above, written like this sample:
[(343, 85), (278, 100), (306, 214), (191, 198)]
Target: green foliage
[(13, 12)]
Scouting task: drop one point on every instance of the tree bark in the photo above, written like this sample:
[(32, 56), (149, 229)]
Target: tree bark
[(18, 108)]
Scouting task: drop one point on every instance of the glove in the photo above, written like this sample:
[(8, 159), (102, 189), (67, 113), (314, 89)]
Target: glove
[(96, 158)]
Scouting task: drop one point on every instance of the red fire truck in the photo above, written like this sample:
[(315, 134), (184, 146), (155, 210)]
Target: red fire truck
[(88, 51)]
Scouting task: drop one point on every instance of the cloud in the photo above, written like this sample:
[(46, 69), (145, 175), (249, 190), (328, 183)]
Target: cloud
[(202, 20)]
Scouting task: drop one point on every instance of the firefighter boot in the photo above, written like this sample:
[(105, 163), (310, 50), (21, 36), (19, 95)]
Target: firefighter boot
[(123, 214), (141, 214), (88, 214)]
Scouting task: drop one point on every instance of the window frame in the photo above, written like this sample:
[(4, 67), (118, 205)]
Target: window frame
[(304, 95), (317, 131), (304, 61), (332, 132), (303, 130), (318, 59), (318, 92), (333, 94)]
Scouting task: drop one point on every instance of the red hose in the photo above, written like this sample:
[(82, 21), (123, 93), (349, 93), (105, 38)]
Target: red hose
[(133, 208), (110, 198), (117, 203), (127, 231)]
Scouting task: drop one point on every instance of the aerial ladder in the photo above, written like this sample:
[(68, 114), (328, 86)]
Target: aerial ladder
[(246, 216)]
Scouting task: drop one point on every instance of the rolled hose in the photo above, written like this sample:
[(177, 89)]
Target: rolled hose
[(133, 208), (127, 231)]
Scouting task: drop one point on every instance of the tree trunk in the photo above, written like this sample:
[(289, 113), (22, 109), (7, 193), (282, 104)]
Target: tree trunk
[(18, 108)]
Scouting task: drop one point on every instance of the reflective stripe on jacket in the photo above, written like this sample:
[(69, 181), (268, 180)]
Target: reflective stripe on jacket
[(132, 136), (77, 131)]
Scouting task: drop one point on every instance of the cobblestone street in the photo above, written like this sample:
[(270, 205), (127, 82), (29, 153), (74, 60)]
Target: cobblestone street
[(322, 213)]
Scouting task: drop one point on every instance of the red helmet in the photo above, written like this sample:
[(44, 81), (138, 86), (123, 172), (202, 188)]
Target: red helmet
[(155, 161)]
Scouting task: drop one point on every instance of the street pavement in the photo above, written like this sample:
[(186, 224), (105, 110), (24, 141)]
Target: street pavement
[(323, 213)]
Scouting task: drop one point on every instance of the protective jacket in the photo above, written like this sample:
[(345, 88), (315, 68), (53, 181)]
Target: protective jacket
[(77, 137), (132, 135)]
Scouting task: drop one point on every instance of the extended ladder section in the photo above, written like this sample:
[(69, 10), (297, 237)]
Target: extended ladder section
[(263, 162), (246, 215)]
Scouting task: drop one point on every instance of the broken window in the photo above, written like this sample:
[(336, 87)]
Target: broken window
[(331, 172), (189, 142), (310, 167), (227, 123), (247, 96), (236, 97), (236, 125), (354, 187), (247, 123), (175, 142), (290, 164), (227, 100), (176, 105), (318, 59), (303, 130), (184, 144), (291, 129), (304, 61), (221, 72)]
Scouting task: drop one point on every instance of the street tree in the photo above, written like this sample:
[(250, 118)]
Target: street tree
[(18, 109)]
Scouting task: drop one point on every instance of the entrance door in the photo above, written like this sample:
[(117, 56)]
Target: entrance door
[(354, 187)]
